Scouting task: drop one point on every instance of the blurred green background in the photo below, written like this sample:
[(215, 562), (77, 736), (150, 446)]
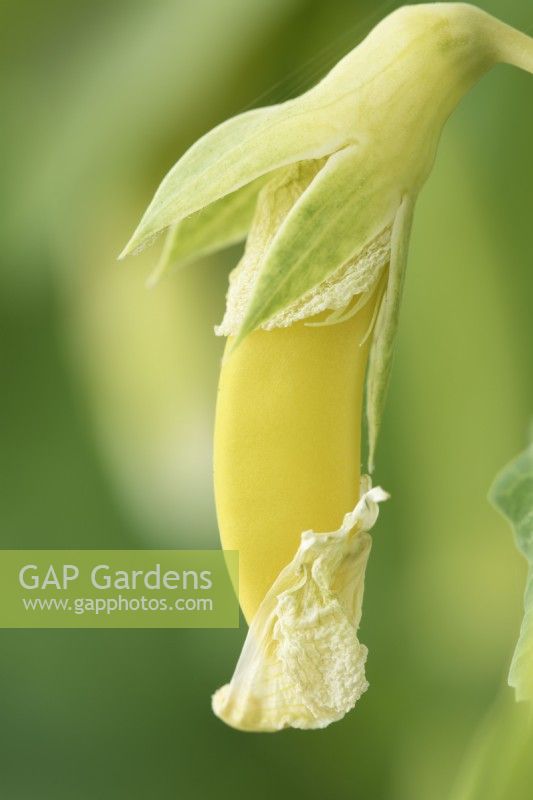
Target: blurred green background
[(108, 394)]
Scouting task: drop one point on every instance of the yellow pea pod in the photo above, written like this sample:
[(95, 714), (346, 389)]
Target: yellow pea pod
[(287, 442)]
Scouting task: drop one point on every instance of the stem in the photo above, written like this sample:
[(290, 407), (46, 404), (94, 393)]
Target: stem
[(512, 46)]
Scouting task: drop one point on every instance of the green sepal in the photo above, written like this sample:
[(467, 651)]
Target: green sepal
[(383, 340), (237, 152), (348, 203), (219, 225)]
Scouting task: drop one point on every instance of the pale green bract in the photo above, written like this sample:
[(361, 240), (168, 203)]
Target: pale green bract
[(375, 121), (512, 494)]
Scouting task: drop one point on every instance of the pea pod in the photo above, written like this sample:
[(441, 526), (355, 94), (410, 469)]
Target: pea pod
[(318, 290)]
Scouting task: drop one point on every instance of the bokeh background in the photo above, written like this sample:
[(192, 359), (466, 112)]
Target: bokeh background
[(107, 402)]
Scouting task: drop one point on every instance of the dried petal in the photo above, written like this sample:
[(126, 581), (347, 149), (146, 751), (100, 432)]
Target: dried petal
[(302, 665)]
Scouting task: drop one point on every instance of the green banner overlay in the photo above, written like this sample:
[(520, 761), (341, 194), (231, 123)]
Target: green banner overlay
[(118, 589)]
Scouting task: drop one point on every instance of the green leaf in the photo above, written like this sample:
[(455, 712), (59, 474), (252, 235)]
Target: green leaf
[(237, 152), (219, 225), (512, 494), (348, 203), (382, 350)]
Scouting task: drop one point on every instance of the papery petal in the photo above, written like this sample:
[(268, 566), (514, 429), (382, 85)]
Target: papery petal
[(302, 665)]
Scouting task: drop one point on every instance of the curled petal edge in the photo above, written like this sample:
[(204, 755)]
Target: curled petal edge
[(302, 665)]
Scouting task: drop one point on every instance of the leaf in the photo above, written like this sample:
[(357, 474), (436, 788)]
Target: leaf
[(382, 350), (512, 494), (219, 225), (237, 152), (349, 203)]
